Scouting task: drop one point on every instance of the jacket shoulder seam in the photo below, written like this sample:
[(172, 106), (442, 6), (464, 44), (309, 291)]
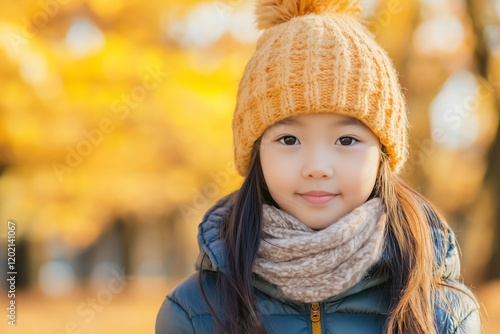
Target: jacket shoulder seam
[(455, 331), (176, 302)]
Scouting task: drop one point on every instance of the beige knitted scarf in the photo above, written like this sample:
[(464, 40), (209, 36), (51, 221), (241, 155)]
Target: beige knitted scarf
[(310, 266)]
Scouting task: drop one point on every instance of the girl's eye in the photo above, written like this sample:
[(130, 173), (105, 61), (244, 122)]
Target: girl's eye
[(346, 141), (289, 140)]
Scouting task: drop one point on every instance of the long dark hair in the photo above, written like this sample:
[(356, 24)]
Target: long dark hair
[(412, 264), (242, 235)]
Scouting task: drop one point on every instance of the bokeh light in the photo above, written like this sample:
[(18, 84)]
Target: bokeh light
[(56, 278)]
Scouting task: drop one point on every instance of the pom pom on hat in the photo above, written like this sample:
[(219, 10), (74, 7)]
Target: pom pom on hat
[(273, 12)]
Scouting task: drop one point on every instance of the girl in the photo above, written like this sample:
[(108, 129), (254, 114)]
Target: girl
[(322, 236)]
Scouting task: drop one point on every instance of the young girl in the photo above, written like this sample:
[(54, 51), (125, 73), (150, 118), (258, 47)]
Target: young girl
[(322, 237)]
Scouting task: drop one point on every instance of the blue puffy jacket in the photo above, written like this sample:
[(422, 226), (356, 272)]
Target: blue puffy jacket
[(361, 309)]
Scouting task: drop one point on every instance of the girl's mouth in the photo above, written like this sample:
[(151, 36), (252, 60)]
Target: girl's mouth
[(318, 197)]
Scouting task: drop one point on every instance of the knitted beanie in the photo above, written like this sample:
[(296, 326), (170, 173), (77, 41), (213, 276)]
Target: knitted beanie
[(314, 56)]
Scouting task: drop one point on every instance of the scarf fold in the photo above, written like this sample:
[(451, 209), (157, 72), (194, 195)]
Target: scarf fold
[(310, 266)]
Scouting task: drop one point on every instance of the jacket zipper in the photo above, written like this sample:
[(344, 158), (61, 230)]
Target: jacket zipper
[(315, 318)]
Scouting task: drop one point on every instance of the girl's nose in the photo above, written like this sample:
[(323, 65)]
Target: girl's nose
[(317, 165)]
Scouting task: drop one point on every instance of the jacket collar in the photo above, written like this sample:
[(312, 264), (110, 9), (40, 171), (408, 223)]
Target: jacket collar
[(212, 253)]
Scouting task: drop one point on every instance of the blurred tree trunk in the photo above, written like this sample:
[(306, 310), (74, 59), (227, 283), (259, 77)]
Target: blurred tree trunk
[(492, 178)]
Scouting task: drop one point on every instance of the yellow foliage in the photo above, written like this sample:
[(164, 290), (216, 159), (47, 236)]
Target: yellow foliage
[(107, 113), (128, 127)]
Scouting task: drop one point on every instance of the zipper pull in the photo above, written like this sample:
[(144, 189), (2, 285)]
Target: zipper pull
[(315, 313), (315, 318)]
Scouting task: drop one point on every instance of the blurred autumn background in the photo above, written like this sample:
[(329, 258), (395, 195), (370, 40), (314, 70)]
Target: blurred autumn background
[(115, 138)]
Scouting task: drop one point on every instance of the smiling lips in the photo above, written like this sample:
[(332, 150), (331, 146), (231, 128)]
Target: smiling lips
[(318, 197)]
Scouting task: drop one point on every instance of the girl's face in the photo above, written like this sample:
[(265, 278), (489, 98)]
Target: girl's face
[(319, 167)]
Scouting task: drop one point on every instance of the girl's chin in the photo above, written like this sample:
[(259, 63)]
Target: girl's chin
[(315, 225)]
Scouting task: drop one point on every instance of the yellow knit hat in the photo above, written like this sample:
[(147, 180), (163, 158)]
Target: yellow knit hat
[(314, 56)]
